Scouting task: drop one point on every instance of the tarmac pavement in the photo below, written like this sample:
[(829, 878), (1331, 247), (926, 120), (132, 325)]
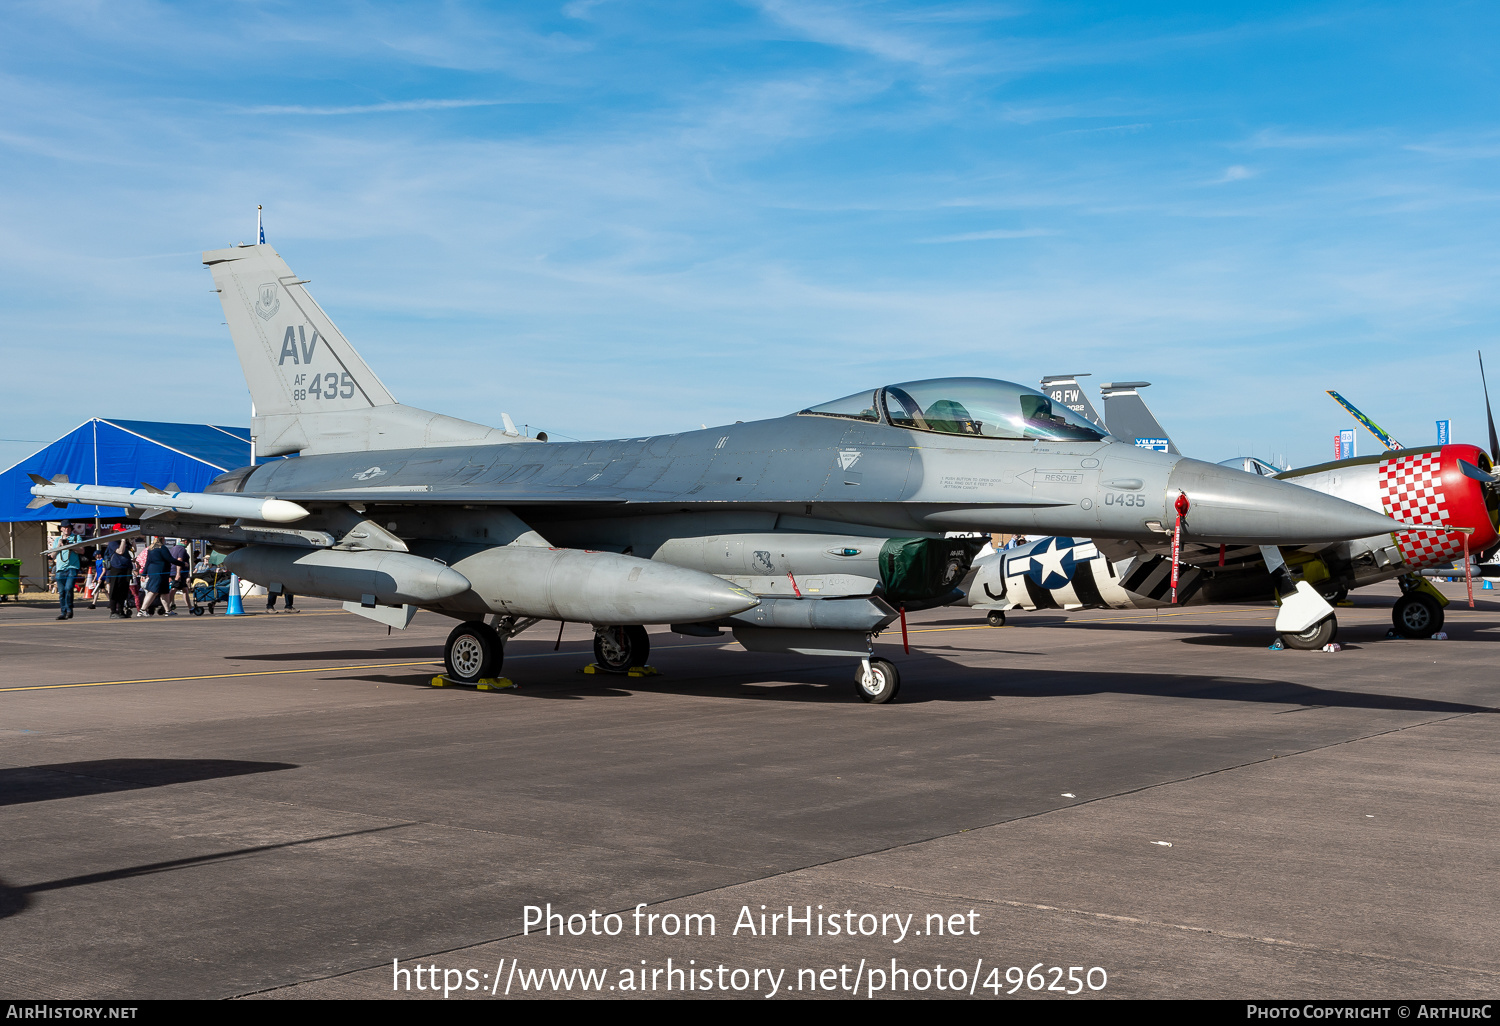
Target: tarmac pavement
[(280, 806)]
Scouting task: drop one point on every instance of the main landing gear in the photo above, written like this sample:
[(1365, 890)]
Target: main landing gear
[(476, 649), (1416, 615), (474, 652), (617, 649)]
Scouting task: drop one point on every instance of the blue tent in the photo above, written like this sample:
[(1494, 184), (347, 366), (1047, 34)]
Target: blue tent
[(124, 453)]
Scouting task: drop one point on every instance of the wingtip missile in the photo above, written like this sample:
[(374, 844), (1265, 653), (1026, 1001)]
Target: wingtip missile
[(158, 502)]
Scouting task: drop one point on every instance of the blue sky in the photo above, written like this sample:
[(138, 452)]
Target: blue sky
[(613, 218)]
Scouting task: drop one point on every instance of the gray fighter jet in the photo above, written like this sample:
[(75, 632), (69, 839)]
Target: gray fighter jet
[(805, 534)]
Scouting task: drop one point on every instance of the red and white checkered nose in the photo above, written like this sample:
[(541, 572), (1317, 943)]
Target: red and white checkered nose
[(1429, 488)]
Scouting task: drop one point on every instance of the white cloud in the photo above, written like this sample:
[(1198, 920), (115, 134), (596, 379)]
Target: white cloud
[(375, 108), (840, 25), (996, 233), (1235, 173)]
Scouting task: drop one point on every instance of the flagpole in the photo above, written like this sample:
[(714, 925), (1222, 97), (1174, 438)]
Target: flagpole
[(260, 229)]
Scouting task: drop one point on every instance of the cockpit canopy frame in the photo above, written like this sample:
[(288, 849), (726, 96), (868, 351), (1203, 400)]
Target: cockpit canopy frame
[(975, 407)]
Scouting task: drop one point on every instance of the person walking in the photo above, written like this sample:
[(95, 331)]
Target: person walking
[(158, 571), (179, 575), (271, 601), (66, 570), (118, 569), (96, 575)]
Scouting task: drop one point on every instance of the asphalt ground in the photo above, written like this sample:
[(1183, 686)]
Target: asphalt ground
[(280, 806)]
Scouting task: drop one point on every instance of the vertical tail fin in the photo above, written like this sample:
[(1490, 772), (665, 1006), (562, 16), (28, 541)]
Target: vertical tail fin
[(312, 391), (295, 359), (1065, 389), (1129, 419)]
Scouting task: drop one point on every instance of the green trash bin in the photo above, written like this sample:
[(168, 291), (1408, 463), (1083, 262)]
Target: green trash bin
[(10, 577)]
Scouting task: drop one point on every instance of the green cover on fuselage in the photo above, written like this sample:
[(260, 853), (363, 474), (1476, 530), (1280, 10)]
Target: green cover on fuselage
[(917, 569)]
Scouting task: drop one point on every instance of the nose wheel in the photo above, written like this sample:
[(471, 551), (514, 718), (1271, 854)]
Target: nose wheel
[(878, 680)]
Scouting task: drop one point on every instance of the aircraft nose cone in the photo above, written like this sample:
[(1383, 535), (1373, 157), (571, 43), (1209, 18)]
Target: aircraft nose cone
[(1232, 506)]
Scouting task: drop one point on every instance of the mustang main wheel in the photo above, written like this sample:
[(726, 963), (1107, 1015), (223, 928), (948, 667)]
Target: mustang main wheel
[(1315, 637), (881, 685), (1417, 616), (473, 652), (617, 649)]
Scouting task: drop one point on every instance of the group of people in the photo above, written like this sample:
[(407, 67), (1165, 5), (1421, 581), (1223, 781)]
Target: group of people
[(144, 582)]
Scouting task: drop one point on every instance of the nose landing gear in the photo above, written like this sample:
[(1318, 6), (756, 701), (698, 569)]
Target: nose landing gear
[(879, 682)]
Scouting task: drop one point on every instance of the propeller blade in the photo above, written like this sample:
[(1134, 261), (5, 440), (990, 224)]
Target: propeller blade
[(1469, 470), (1494, 441)]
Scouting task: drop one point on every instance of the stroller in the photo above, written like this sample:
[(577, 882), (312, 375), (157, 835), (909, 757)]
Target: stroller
[(209, 587)]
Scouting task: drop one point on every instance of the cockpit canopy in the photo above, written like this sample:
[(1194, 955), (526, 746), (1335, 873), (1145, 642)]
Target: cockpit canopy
[(982, 407), (1251, 465)]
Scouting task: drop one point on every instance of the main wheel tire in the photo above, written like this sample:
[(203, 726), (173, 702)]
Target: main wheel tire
[(617, 649), (884, 685), (473, 652), (996, 618), (1315, 637), (1334, 595), (1417, 616)]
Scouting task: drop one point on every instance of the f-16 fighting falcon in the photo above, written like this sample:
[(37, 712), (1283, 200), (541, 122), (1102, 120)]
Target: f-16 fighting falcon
[(806, 533), (1450, 488)]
